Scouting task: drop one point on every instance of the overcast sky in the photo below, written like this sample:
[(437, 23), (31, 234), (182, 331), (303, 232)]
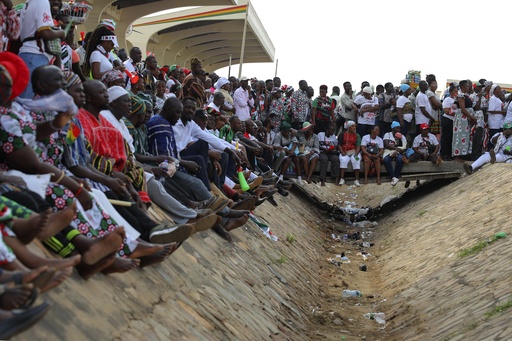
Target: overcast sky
[(330, 42)]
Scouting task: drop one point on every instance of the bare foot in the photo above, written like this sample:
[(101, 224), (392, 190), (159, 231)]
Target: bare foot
[(32, 260), (365, 182), (233, 223), (99, 248), (87, 271), (159, 256), (236, 213), (58, 221), (378, 182), (121, 265), (26, 276), (146, 249), (59, 277), (27, 229)]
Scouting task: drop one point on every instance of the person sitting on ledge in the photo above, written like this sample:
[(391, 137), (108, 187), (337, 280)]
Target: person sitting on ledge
[(395, 145), (349, 145), (372, 148), (425, 146), (502, 151)]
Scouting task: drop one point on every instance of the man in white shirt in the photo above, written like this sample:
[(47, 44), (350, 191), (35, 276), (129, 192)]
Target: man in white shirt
[(425, 146), (423, 113), (368, 107), (185, 130), (242, 99), (496, 114)]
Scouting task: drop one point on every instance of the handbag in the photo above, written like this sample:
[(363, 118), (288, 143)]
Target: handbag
[(372, 148)]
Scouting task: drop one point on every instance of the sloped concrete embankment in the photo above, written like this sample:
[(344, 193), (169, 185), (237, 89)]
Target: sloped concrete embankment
[(207, 290), (433, 293)]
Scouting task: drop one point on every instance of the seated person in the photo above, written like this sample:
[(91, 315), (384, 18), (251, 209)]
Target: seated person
[(425, 146), (309, 149), (372, 148), (162, 141), (328, 143), (349, 146), (395, 145), (284, 145), (502, 151)]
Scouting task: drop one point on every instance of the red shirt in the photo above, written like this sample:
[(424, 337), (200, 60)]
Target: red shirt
[(104, 138)]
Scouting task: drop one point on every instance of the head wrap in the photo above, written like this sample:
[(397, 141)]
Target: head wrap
[(71, 78), (111, 76), (285, 126), (493, 87), (195, 61), (138, 106), (404, 87), (424, 126), (185, 71), (367, 90), (108, 23), (487, 83), (173, 67), (395, 124), (221, 82), (287, 88), (114, 92), (17, 71), (507, 125), (349, 124), (275, 90)]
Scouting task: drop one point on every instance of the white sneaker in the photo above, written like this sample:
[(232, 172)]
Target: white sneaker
[(299, 181), (342, 182), (394, 181), (356, 183)]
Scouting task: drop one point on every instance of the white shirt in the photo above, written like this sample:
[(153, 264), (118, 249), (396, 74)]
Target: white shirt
[(243, 103), (508, 117), (98, 57), (422, 102), (367, 140), (419, 142), (449, 103), (184, 134), (495, 121), (34, 16), (368, 117), (400, 102)]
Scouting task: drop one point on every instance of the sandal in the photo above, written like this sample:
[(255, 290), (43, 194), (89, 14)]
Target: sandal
[(5, 291), (38, 282)]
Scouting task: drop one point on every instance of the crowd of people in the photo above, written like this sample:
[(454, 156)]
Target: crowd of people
[(115, 133)]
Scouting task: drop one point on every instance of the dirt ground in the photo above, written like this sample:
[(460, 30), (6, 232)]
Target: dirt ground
[(259, 289), (416, 275)]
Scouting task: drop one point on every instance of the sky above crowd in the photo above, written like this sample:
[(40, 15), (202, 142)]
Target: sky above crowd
[(333, 41)]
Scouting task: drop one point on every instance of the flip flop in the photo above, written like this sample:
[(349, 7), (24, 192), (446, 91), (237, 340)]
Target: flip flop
[(31, 299), (17, 278), (22, 320)]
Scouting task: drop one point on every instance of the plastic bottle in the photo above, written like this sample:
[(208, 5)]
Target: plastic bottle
[(351, 293), (243, 183), (378, 317)]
